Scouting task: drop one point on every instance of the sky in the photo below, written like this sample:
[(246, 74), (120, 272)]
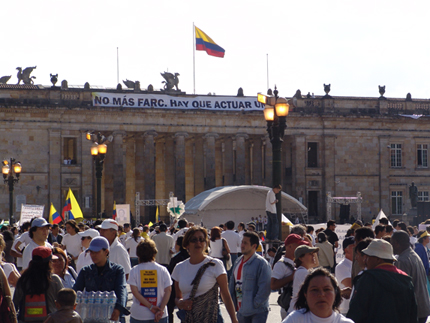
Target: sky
[(352, 45)]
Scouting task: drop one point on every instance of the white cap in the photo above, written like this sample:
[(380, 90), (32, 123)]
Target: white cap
[(109, 224), (89, 233)]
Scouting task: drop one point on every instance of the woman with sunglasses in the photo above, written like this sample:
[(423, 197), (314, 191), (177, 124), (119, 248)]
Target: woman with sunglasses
[(84, 258), (198, 281)]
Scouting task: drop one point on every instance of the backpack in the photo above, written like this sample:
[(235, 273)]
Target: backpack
[(286, 292)]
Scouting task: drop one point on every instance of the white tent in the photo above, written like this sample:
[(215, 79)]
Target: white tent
[(381, 215), (237, 203)]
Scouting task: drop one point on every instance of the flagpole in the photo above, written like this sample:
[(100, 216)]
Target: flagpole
[(267, 59), (194, 59), (117, 66)]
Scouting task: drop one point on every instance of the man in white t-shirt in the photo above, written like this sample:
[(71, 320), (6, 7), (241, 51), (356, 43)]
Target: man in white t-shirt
[(117, 254), (233, 240), (20, 243), (343, 271), (164, 243), (283, 274), (38, 233), (272, 220)]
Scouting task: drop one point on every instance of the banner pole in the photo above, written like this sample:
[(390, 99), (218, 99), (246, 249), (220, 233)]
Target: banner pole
[(194, 59)]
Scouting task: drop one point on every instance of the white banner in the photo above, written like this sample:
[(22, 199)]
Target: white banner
[(122, 213), (164, 101), (341, 232), (30, 211)]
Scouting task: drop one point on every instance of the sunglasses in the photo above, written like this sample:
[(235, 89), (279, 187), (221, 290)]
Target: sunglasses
[(194, 240)]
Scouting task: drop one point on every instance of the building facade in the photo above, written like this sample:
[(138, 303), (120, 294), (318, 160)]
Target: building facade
[(162, 144)]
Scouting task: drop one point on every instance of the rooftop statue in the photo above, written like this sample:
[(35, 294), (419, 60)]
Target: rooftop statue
[(381, 90), (129, 84), (4, 79), (54, 79), (24, 75), (327, 89), (170, 81)]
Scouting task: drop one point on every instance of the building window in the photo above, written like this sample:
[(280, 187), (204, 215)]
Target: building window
[(423, 196), (312, 154), (397, 202), (69, 151), (396, 155), (422, 155)]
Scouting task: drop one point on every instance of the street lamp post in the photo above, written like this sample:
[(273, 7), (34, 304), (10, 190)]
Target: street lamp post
[(11, 171), (98, 151), (275, 112)]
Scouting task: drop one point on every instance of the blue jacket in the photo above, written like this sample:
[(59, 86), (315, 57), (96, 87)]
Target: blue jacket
[(422, 253), (112, 278), (256, 275)]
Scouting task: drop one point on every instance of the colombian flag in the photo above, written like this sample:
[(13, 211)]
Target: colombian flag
[(72, 207), (204, 42), (114, 210), (54, 217)]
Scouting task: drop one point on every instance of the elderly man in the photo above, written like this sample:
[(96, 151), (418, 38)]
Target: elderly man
[(411, 263), (382, 293), (118, 254)]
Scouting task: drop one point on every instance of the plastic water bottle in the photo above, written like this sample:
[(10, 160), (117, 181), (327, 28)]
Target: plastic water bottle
[(105, 315), (91, 299), (84, 307), (97, 307), (111, 303), (79, 302)]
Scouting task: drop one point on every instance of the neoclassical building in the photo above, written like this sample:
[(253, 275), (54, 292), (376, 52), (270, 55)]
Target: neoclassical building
[(186, 144)]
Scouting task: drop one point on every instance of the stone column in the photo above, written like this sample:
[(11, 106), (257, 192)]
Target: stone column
[(108, 182), (160, 176), (218, 163), (257, 178), (54, 168), (210, 160), (169, 162), (248, 158), (119, 169), (130, 170), (228, 161), (384, 175), (199, 179), (87, 175), (299, 158), (139, 171), (329, 170), (180, 165), (189, 169), (240, 158), (149, 169), (268, 161)]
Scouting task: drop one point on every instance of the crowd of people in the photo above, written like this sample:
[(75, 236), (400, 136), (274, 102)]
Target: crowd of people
[(383, 274)]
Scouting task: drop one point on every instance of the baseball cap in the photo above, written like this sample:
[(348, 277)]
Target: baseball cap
[(98, 243), (109, 224), (347, 242), (42, 254), (39, 223), (92, 233), (295, 238), (379, 248), (303, 250)]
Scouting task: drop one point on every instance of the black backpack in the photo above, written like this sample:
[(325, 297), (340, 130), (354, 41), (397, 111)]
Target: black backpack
[(286, 292)]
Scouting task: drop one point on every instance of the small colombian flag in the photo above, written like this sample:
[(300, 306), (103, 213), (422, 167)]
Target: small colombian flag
[(114, 210), (54, 216), (204, 42), (71, 205), (157, 215)]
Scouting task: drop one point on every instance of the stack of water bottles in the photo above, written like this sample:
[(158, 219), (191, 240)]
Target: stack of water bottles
[(95, 307)]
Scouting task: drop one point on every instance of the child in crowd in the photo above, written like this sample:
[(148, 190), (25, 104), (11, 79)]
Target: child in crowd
[(66, 304)]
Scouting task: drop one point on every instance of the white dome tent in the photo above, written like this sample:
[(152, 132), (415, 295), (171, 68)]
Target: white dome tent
[(237, 203)]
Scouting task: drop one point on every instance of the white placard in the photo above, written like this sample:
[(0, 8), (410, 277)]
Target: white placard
[(341, 232), (30, 211), (122, 213)]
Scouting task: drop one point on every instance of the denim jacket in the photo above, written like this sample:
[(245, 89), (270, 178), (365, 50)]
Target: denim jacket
[(256, 275), (112, 278)]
